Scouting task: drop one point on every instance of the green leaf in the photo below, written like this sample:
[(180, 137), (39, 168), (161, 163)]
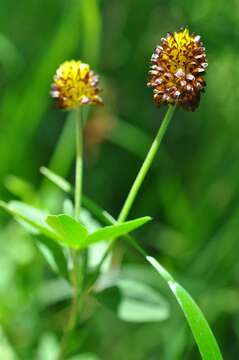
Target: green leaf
[(70, 232), (6, 349), (134, 301), (33, 220), (85, 356), (21, 188), (68, 207), (58, 180), (54, 255), (47, 348), (202, 333), (54, 291), (31, 216), (113, 231)]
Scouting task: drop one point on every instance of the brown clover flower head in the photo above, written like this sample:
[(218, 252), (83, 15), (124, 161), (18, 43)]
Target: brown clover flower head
[(74, 85), (177, 71)]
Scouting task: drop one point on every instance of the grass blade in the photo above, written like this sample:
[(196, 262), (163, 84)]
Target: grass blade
[(202, 333)]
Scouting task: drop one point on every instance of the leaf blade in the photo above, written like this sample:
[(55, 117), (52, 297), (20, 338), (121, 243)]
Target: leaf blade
[(201, 331), (71, 232), (134, 301), (29, 214), (33, 220), (116, 230), (56, 179), (106, 218), (53, 254)]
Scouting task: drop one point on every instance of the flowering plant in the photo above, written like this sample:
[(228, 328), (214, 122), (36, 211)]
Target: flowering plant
[(177, 79)]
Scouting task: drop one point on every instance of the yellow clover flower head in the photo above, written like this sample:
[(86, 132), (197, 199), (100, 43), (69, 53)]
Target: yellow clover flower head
[(74, 85), (177, 72)]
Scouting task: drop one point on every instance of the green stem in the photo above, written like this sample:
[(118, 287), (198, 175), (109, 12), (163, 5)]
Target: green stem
[(146, 165), (117, 251), (71, 322), (79, 162)]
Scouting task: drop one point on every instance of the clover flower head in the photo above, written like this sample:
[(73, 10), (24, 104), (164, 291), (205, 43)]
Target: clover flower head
[(177, 71), (74, 85)]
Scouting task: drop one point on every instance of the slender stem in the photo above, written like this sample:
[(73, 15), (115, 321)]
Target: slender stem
[(114, 248), (146, 165), (71, 322), (79, 162)]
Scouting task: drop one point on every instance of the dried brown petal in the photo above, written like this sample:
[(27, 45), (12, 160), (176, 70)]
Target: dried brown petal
[(177, 72)]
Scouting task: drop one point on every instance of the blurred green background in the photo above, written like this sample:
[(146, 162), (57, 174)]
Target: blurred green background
[(192, 192)]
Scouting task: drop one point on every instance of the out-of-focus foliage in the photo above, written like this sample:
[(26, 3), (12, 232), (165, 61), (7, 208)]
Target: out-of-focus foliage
[(192, 191)]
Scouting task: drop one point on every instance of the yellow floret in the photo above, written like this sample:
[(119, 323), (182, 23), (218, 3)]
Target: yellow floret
[(75, 85)]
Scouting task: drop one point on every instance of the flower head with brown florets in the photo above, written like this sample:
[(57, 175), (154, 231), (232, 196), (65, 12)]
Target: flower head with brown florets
[(178, 66), (74, 85)]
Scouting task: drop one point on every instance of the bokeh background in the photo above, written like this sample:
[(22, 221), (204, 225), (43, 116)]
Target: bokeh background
[(192, 191)]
